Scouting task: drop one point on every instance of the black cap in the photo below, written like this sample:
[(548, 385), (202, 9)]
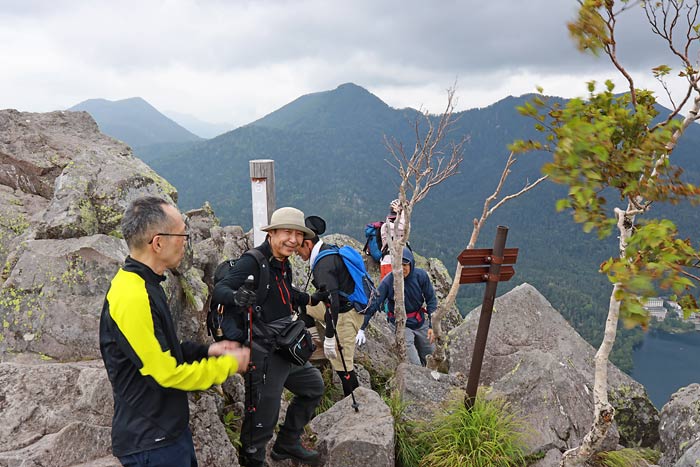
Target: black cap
[(315, 224)]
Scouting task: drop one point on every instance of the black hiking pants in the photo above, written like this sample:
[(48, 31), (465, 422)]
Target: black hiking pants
[(271, 375)]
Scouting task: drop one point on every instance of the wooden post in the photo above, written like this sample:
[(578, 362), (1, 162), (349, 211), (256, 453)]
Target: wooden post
[(262, 181), (492, 274)]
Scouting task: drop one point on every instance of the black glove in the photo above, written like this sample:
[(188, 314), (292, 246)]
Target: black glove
[(244, 297), (308, 320), (320, 296)]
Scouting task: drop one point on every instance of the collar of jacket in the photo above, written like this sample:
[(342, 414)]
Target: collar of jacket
[(266, 250), (131, 265), (315, 251)]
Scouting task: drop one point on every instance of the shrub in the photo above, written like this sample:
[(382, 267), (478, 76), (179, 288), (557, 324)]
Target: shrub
[(488, 435), (409, 447), (629, 457)]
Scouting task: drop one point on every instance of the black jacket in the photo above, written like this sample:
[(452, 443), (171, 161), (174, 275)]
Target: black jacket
[(330, 272), (281, 298), (149, 368)]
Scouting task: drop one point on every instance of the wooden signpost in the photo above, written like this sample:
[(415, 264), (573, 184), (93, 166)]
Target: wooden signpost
[(490, 266), (262, 187)]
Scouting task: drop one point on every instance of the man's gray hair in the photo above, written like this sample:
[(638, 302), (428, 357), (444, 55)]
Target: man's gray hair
[(140, 219)]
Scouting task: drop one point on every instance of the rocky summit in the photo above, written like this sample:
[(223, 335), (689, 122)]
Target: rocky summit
[(63, 188)]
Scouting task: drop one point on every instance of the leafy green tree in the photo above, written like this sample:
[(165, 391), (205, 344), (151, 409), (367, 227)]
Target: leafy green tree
[(610, 146)]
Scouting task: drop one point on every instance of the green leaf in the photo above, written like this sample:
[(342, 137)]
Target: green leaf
[(633, 165), (562, 204)]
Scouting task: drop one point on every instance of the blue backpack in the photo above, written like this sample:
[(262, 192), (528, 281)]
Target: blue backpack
[(365, 290), (373, 246)]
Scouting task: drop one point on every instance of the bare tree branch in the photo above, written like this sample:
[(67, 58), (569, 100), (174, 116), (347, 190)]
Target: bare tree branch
[(692, 276), (419, 172), (436, 361)]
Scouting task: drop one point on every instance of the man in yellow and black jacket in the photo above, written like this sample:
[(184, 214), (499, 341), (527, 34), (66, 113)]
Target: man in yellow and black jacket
[(149, 368)]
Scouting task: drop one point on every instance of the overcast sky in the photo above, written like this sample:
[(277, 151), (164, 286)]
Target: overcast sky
[(235, 61)]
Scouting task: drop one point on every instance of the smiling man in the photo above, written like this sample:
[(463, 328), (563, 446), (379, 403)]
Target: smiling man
[(149, 368), (272, 372)]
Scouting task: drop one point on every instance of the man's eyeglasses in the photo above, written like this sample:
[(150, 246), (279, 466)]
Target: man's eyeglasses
[(186, 235)]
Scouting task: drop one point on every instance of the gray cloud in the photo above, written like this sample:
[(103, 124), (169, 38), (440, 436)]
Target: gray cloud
[(237, 60)]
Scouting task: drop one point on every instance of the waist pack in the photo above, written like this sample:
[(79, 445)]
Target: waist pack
[(294, 343)]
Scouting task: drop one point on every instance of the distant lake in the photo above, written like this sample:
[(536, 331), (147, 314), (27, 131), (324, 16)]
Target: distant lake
[(667, 362)]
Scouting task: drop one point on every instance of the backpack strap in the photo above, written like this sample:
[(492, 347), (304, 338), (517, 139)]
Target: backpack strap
[(264, 279), (333, 250)]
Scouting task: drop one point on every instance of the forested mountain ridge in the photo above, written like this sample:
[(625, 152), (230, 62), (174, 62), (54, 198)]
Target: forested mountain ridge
[(347, 105), (331, 160)]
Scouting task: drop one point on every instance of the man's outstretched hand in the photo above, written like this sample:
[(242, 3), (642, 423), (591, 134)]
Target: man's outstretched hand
[(236, 350)]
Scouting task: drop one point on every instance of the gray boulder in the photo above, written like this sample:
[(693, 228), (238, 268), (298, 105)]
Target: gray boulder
[(191, 290), (60, 414), (349, 439), (54, 414), (551, 459), (18, 212), (63, 189), (52, 299), (536, 360), (680, 428), (72, 445), (211, 443), (690, 458), (425, 391), (88, 178)]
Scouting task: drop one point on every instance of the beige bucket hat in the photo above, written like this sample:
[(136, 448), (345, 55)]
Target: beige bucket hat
[(289, 218)]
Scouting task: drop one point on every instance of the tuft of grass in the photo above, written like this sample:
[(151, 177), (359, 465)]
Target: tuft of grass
[(331, 393), (488, 435), (629, 457), (232, 423), (408, 447)]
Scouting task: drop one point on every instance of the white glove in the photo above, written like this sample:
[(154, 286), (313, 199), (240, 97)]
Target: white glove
[(360, 338), (329, 348)]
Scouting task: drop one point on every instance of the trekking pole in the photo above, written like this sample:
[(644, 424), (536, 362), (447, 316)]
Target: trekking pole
[(250, 403), (355, 405)]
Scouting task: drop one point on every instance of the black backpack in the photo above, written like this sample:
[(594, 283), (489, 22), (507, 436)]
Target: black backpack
[(225, 321)]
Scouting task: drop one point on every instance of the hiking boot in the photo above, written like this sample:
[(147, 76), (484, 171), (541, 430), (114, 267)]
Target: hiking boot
[(246, 462), (296, 452)]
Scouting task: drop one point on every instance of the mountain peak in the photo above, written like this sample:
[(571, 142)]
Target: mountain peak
[(345, 106), (97, 102), (134, 121)]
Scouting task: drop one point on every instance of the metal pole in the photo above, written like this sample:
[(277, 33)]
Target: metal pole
[(262, 180), (485, 318)]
